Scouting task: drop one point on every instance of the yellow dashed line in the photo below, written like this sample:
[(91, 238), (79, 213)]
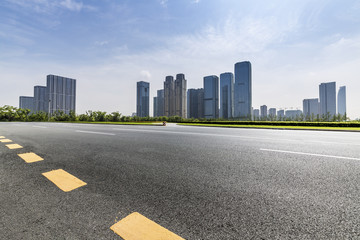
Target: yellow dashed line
[(137, 227), (13, 146), (5, 140), (64, 180), (30, 157)]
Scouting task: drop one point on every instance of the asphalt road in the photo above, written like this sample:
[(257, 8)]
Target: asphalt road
[(197, 182)]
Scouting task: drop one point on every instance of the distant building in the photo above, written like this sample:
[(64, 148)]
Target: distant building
[(169, 96), (327, 92), (61, 93), (280, 113), (243, 90), (160, 103), (226, 95), (272, 112), (256, 113), (195, 103), (211, 97), (26, 103), (263, 111), (41, 103), (180, 95), (341, 100), (293, 114), (155, 107), (311, 107), (142, 99)]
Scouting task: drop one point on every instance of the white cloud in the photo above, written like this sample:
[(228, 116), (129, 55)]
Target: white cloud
[(72, 5)]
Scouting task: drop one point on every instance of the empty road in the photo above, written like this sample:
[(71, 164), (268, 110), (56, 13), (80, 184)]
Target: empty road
[(196, 182)]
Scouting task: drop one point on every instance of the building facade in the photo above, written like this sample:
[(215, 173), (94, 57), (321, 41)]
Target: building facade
[(341, 100), (272, 112), (243, 90), (293, 114), (169, 96), (180, 95), (256, 114), (142, 99), (263, 111), (41, 103), (280, 114), (195, 103), (155, 107), (211, 97), (226, 95), (60, 94), (311, 107), (327, 93), (26, 103)]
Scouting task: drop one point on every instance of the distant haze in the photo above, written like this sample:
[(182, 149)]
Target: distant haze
[(109, 45)]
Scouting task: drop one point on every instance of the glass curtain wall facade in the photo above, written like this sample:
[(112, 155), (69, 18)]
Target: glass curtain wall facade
[(211, 97), (61, 94), (243, 90), (169, 96), (263, 111), (342, 100), (40, 101), (327, 92), (26, 103), (180, 95), (160, 103), (142, 99), (226, 95), (195, 103), (311, 107)]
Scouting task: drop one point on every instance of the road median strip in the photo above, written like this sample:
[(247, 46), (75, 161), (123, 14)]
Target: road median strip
[(30, 157), (137, 227), (64, 180)]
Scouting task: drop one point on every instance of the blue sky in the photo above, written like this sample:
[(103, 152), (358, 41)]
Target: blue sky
[(109, 45)]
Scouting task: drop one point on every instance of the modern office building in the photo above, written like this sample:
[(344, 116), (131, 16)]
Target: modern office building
[(142, 99), (272, 112), (160, 103), (226, 95), (180, 95), (293, 114), (169, 96), (26, 103), (60, 94), (41, 103), (327, 93), (256, 114), (243, 90), (211, 97), (195, 103), (263, 111), (341, 100), (280, 114), (155, 107), (311, 107)]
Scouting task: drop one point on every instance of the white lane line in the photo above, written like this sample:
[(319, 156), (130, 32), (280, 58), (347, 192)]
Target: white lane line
[(102, 133), (309, 154), (39, 127)]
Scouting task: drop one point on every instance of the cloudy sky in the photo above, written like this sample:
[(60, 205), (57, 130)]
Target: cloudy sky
[(109, 45)]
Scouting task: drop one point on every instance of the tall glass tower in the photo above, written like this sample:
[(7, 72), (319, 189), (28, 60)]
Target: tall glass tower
[(342, 100), (327, 92), (242, 90), (142, 99), (226, 95), (211, 97), (40, 101)]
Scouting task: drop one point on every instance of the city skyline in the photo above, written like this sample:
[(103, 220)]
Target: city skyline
[(302, 44)]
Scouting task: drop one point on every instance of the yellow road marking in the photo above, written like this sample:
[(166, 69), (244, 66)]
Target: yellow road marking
[(5, 140), (2, 137), (137, 227), (30, 157), (64, 180), (13, 146)]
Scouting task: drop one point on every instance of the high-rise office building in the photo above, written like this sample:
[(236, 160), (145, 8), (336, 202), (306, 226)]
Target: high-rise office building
[(160, 103), (293, 114), (226, 95), (26, 103), (263, 111), (243, 90), (180, 95), (211, 97), (341, 100), (142, 99), (256, 114), (60, 94), (327, 92), (311, 107), (155, 107), (280, 113), (272, 112), (169, 96), (195, 103), (41, 103)]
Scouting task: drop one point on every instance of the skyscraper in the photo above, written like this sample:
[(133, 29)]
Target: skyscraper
[(155, 108), (180, 95), (327, 92), (341, 100), (26, 103), (242, 90), (160, 103), (40, 101), (226, 95), (256, 114), (142, 99), (263, 111), (272, 112), (60, 93), (280, 113), (195, 103), (169, 96), (211, 97), (311, 107)]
